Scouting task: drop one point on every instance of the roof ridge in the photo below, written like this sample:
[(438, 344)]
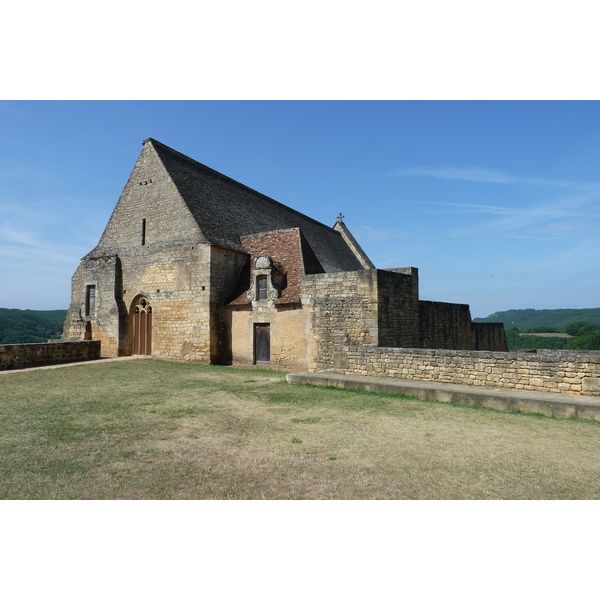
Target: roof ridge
[(350, 240)]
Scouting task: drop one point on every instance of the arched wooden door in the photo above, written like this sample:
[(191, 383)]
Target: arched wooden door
[(142, 327)]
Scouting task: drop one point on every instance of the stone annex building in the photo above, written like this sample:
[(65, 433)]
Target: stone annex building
[(195, 266)]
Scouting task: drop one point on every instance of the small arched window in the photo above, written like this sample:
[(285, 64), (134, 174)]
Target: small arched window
[(261, 287)]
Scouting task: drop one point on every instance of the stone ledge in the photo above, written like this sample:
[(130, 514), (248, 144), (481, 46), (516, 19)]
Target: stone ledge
[(23, 356), (550, 404)]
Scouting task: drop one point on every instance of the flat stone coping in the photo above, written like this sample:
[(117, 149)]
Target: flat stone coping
[(70, 364), (549, 404)]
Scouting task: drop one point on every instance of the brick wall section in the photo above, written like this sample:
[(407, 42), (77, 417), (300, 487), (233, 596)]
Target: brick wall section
[(285, 249), (542, 371), (21, 356), (283, 246)]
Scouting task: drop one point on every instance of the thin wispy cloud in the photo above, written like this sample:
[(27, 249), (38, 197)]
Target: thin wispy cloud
[(479, 175), (462, 206), (16, 236), (366, 233), (550, 220), (573, 213), (41, 254), (19, 242)]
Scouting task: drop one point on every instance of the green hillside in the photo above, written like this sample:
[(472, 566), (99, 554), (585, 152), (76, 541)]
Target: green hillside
[(583, 324), (530, 318), (27, 326)]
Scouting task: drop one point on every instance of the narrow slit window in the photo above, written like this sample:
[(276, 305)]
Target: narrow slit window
[(90, 300), (261, 285), (143, 232)]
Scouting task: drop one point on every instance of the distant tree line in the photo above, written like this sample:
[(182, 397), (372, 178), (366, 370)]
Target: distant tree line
[(30, 326), (585, 336), (531, 318), (583, 324)]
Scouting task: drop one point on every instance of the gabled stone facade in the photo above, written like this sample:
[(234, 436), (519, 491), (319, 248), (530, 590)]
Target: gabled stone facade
[(195, 266)]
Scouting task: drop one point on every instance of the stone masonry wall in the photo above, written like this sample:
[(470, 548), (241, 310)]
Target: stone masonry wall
[(151, 247), (150, 209), (103, 322), (489, 336), (174, 277), (398, 308), (225, 269), (542, 371), (21, 356), (342, 309), (377, 307), (445, 325), (287, 331)]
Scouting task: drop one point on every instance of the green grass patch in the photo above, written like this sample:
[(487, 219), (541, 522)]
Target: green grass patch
[(148, 429)]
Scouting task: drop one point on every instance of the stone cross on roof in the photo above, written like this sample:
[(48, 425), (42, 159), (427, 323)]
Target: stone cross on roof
[(341, 217)]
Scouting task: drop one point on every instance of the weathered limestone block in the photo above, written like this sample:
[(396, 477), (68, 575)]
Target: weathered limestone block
[(590, 385)]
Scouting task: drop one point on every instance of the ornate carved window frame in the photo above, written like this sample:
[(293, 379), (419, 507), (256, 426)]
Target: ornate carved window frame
[(262, 266)]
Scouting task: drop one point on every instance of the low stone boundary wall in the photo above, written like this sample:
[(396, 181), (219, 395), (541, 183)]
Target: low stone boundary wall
[(556, 371), (22, 356)]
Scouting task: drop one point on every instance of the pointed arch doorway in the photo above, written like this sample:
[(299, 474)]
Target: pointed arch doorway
[(142, 326)]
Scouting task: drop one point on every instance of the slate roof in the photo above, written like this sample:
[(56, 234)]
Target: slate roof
[(227, 210)]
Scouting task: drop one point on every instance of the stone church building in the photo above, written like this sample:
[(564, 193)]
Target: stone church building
[(195, 266)]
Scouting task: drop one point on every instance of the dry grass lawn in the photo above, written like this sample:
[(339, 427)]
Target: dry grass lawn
[(148, 429)]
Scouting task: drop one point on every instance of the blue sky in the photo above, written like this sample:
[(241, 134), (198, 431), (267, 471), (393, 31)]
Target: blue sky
[(497, 203)]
